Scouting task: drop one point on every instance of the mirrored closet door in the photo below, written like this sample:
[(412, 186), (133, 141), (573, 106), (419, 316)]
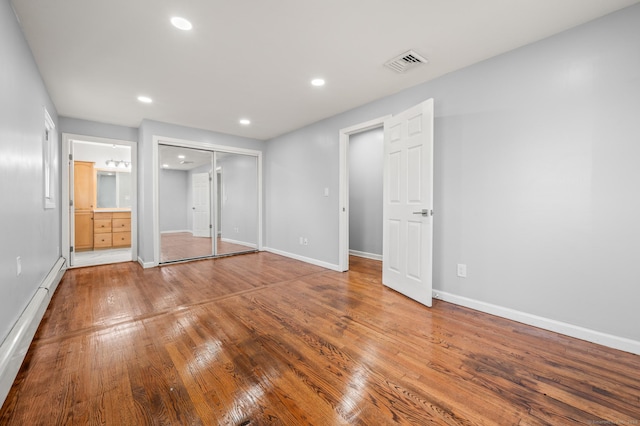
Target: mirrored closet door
[(237, 203), (208, 203)]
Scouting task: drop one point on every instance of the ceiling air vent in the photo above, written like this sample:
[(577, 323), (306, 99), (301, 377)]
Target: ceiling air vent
[(407, 60)]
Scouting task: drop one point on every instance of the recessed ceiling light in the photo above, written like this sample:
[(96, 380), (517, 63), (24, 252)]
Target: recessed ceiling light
[(181, 157), (165, 166), (145, 99), (317, 82), (245, 122), (181, 23)]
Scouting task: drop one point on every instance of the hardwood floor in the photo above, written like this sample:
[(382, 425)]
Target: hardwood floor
[(261, 339)]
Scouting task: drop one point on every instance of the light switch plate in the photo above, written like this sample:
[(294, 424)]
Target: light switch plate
[(462, 270)]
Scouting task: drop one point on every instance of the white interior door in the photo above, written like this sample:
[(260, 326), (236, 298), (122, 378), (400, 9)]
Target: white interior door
[(201, 205), (408, 202)]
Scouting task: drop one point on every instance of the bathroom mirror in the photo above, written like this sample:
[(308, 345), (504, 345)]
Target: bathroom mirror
[(113, 189)]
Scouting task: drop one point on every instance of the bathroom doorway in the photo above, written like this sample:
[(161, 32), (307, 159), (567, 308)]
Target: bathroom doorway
[(101, 195)]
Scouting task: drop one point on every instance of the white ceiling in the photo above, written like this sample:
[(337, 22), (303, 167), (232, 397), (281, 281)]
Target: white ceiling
[(255, 58)]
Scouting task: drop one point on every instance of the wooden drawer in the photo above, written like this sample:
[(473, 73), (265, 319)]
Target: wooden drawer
[(121, 225), (101, 225), (102, 215), (102, 240), (121, 239), (121, 215)]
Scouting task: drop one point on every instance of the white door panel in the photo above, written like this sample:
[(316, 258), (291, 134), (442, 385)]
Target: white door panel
[(201, 203), (408, 191)]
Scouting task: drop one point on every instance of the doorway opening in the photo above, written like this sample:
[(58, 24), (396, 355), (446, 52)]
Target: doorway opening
[(364, 245), (407, 211), (208, 200), (366, 151), (99, 226)]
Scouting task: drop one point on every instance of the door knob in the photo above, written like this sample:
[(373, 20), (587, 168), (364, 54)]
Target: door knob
[(425, 212)]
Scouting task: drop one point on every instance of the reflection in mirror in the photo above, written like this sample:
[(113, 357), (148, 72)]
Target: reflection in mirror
[(113, 189), (184, 203), (198, 200), (237, 202)]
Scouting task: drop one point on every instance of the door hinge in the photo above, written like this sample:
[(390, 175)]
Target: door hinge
[(70, 157), (210, 226), (70, 203), (71, 249)]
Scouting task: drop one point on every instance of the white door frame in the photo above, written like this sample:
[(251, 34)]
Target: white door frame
[(158, 140), (67, 220), (343, 212)]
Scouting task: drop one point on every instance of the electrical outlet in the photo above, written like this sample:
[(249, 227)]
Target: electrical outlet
[(462, 270), (18, 266), (301, 241), (306, 242)]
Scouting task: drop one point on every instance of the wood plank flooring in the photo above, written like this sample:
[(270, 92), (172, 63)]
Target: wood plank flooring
[(260, 339)]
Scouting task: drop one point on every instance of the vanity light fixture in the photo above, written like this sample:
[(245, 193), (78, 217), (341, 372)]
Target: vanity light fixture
[(181, 23), (245, 121), (317, 82), (117, 163), (145, 99)]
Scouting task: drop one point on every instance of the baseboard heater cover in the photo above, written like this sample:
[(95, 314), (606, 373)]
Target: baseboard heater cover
[(14, 348)]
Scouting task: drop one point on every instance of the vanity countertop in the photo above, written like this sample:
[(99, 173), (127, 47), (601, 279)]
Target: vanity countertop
[(111, 210)]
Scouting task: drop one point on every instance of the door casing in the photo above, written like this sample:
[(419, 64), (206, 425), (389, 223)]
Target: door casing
[(343, 222), (67, 174)]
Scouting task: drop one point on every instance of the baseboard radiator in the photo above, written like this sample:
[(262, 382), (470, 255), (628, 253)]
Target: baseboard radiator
[(14, 348)]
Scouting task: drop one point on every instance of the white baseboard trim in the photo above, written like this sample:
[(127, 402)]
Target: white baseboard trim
[(177, 231), (146, 265), (316, 262), (615, 342), (15, 346), (240, 243), (366, 255)]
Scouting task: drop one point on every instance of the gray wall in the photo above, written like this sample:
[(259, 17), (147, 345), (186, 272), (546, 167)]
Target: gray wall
[(536, 177), (173, 207), (239, 207), (99, 130), (365, 191), (148, 129), (27, 229)]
